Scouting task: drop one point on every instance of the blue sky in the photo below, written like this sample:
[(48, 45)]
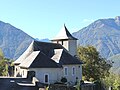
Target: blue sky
[(45, 18)]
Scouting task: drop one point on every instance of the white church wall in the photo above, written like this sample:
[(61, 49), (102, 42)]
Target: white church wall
[(72, 47), (53, 73), (70, 77)]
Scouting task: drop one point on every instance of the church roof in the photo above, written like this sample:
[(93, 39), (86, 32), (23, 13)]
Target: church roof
[(68, 59), (64, 58), (38, 46), (38, 59), (25, 54), (64, 34), (46, 55)]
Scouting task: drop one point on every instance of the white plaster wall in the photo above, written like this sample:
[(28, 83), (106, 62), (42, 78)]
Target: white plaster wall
[(16, 70), (70, 77), (54, 74), (65, 44), (72, 47), (20, 72), (23, 72)]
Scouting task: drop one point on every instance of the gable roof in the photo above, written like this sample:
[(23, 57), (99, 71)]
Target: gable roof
[(25, 54), (44, 47), (42, 61), (45, 55), (39, 60), (64, 58), (68, 59), (27, 62), (64, 34)]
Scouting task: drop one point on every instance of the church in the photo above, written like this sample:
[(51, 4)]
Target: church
[(51, 61)]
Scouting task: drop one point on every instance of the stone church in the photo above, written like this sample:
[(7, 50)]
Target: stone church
[(51, 61)]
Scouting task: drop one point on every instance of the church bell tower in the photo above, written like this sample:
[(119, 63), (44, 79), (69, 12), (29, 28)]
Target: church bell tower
[(66, 40)]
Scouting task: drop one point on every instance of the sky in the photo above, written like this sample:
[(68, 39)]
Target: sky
[(44, 18)]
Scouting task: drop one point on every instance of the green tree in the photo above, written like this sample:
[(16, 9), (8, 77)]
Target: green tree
[(112, 80), (4, 63), (3, 68), (95, 67)]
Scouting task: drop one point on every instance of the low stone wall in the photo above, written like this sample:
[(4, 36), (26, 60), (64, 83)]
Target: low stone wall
[(87, 87), (61, 87)]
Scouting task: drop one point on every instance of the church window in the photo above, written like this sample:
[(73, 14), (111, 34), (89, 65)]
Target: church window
[(73, 71), (46, 78), (65, 71)]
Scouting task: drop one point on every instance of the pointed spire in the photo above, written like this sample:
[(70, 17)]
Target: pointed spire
[(64, 34)]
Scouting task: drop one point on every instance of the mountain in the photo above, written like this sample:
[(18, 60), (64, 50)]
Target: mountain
[(116, 63), (43, 40), (104, 34), (13, 41)]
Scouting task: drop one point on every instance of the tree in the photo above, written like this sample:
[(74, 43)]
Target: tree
[(112, 80), (3, 68), (4, 63), (95, 67)]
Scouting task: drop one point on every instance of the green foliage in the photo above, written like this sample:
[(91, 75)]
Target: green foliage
[(1, 53), (4, 64), (3, 67), (95, 67), (113, 80)]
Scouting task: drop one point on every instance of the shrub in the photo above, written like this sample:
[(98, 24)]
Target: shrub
[(64, 80)]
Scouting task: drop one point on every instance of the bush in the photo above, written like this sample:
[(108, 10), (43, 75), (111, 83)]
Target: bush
[(64, 80)]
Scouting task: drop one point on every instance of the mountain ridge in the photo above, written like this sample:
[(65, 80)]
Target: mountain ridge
[(104, 34), (13, 41)]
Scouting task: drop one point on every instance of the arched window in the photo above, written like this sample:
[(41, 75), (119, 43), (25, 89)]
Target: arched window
[(46, 78), (65, 71), (73, 71)]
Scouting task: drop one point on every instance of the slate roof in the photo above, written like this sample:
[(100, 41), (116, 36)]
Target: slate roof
[(64, 58), (68, 59), (25, 54), (46, 55), (38, 59), (64, 34), (44, 47), (27, 62)]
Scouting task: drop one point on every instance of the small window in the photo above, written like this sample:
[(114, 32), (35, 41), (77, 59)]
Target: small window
[(65, 71), (73, 71), (46, 78)]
